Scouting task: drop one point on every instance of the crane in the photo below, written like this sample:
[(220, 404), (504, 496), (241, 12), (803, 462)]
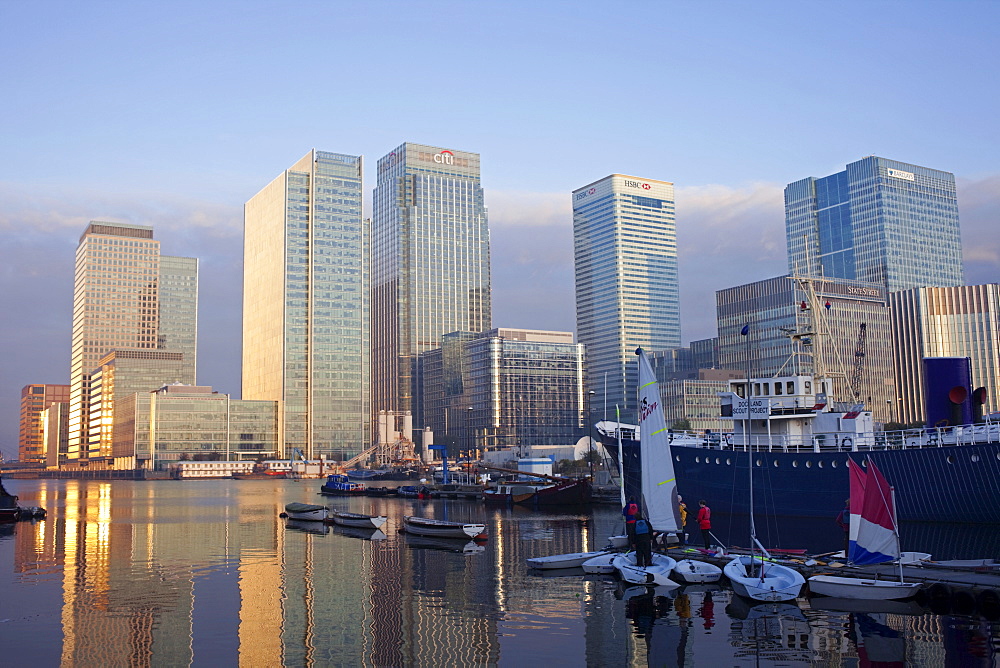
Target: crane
[(859, 360)]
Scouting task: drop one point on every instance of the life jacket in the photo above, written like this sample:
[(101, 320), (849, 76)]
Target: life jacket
[(630, 512), (641, 527)]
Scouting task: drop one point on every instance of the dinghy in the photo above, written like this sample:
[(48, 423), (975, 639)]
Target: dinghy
[(309, 512), (423, 526), (695, 571), (357, 520), (571, 560), (600, 565), (875, 541), (657, 574)]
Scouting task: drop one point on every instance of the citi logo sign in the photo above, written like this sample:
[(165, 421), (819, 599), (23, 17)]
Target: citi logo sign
[(585, 193), (444, 158), (638, 184)]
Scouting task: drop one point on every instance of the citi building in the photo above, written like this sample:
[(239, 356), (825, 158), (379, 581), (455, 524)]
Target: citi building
[(627, 293), (430, 265)]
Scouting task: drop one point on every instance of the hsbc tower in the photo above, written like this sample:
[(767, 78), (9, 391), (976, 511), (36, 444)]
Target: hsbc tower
[(627, 292)]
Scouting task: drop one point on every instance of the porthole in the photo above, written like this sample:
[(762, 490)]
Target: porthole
[(950, 459), (775, 463), (975, 458), (809, 465), (795, 463), (697, 460), (819, 464), (717, 460), (759, 463), (677, 458), (834, 463), (729, 462)]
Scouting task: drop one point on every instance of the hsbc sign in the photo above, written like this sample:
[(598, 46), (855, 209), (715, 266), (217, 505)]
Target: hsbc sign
[(586, 193), (638, 184)]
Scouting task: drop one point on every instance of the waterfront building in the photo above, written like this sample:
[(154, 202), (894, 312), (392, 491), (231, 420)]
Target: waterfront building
[(959, 321), (879, 221), (124, 294), (54, 426), (505, 388), (35, 398), (185, 422), (705, 353), (306, 332), (783, 335), (431, 265), (627, 291)]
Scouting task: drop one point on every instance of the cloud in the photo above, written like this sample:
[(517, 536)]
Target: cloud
[(979, 211)]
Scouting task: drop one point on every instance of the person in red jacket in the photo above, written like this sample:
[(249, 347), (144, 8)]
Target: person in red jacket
[(705, 523)]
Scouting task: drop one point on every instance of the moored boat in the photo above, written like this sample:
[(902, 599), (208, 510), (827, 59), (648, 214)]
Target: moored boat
[(602, 564), (696, 571), (561, 493), (761, 580), (569, 560), (9, 510), (339, 484), (658, 573), (423, 526), (310, 512), (357, 520)]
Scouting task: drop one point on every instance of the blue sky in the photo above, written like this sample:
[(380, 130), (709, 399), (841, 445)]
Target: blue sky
[(173, 114)]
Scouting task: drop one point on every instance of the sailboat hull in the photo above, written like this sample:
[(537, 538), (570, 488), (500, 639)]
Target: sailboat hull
[(862, 589), (776, 583)]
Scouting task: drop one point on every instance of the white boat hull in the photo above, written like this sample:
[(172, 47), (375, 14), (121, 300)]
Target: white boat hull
[(600, 565), (657, 574), (357, 520), (306, 512), (571, 560), (862, 589), (693, 571), (777, 582), (441, 529)]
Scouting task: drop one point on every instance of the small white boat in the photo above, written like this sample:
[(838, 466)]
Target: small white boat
[(306, 511), (619, 542), (862, 588), (763, 580), (571, 560), (423, 526), (694, 571), (657, 574), (357, 520), (600, 565)]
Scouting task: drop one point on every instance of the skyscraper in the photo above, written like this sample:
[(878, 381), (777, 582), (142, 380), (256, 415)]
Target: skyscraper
[(627, 293), (879, 221), (125, 296), (959, 321), (306, 329), (431, 265)]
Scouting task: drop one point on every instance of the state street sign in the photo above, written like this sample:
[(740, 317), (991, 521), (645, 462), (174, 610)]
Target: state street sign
[(760, 409)]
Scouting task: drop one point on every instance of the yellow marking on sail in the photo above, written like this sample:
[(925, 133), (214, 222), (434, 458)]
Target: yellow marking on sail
[(665, 482), (659, 431), (652, 382)]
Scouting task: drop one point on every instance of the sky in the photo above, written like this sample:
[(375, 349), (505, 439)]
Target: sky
[(174, 114)]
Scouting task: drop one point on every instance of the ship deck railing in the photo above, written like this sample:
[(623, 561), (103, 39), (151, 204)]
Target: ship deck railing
[(843, 441)]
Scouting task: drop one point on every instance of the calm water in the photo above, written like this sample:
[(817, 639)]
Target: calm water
[(206, 574)]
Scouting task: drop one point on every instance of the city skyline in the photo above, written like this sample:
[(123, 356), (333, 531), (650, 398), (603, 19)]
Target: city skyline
[(164, 117)]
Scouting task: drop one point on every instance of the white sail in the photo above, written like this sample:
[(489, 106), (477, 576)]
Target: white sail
[(659, 484)]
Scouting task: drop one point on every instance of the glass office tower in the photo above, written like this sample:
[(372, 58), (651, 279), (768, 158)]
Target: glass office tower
[(627, 293), (122, 300), (879, 221), (306, 335), (959, 321), (431, 271)]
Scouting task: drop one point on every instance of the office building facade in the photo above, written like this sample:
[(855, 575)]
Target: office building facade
[(431, 265), (35, 398), (505, 388), (122, 301), (306, 332), (791, 333), (627, 291), (962, 321), (879, 221)]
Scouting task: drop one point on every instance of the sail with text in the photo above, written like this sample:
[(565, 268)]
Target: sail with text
[(877, 538), (659, 485)]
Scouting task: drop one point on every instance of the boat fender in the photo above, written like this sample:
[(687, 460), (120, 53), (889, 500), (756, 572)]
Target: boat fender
[(988, 602), (847, 443), (939, 592), (729, 440), (963, 601)]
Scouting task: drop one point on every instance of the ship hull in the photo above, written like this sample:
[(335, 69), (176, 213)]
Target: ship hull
[(933, 484)]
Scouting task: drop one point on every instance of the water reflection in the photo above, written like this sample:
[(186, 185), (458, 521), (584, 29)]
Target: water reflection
[(178, 573)]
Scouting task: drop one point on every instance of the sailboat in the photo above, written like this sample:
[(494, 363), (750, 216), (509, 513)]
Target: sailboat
[(657, 494), (755, 575), (873, 539)]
